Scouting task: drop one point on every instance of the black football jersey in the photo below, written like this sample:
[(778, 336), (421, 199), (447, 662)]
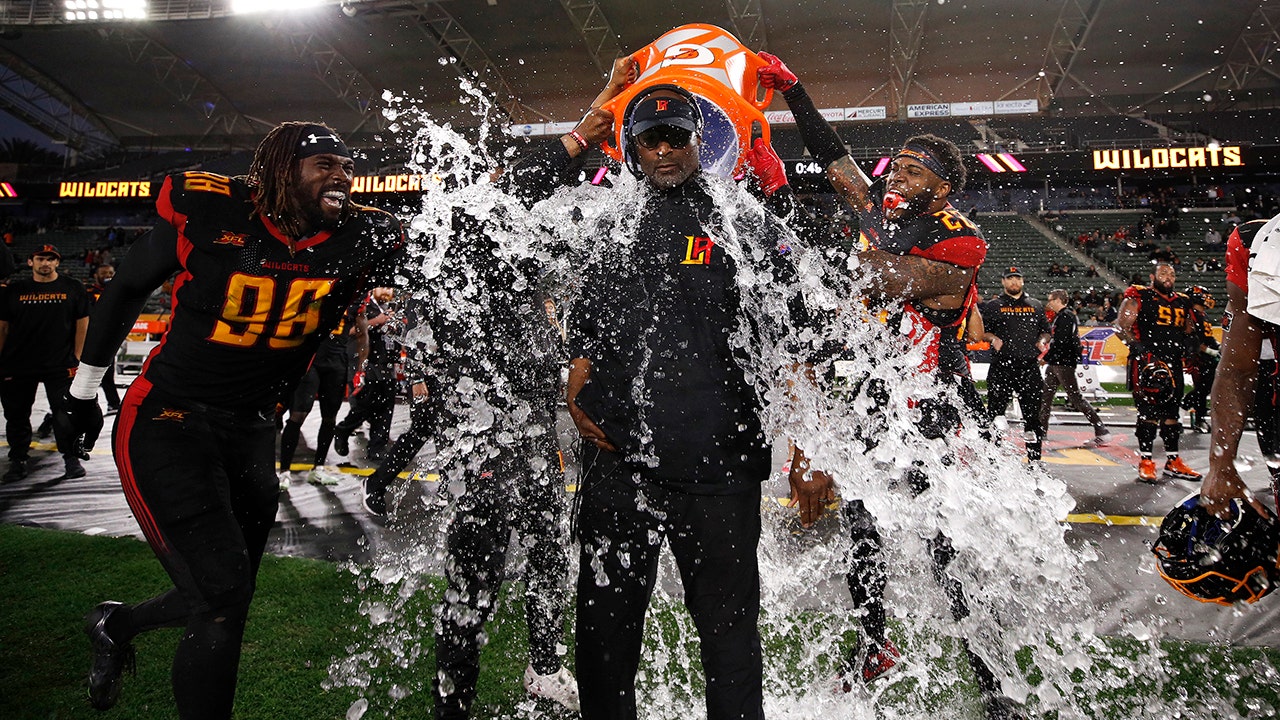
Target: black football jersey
[(1162, 320), (249, 306)]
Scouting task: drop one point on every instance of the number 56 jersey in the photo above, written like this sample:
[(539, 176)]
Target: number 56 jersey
[(249, 305)]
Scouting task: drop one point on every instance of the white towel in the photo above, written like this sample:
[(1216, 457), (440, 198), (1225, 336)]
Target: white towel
[(1264, 273)]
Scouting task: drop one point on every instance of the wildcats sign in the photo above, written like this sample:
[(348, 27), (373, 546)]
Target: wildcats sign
[(1161, 158), (388, 183), (111, 189)]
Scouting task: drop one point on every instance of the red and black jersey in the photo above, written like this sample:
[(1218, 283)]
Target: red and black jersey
[(249, 306), (1161, 324), (944, 236), (1238, 245)]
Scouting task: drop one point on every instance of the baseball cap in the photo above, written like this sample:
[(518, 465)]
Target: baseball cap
[(1012, 272), (47, 249), (674, 111)]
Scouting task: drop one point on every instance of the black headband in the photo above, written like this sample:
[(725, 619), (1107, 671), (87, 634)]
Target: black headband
[(925, 157), (320, 140)]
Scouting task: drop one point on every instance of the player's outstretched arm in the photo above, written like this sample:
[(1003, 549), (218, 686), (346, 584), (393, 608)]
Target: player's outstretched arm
[(152, 259), (818, 135), (1231, 397)]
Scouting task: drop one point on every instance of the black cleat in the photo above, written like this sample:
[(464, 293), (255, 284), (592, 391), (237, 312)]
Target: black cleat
[(375, 499), (109, 658), (17, 470), (74, 470), (342, 443)]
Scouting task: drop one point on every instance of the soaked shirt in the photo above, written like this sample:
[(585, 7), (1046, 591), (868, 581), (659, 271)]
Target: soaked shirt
[(656, 319), (945, 236)]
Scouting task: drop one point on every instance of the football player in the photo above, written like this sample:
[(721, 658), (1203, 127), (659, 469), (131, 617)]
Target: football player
[(266, 265)]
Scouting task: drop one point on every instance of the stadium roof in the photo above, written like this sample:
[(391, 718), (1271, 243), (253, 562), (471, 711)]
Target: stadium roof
[(196, 74)]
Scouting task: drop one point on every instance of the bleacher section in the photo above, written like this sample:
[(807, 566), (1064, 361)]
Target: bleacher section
[(1012, 241)]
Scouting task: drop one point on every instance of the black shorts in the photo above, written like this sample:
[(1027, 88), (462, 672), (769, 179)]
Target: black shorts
[(201, 483)]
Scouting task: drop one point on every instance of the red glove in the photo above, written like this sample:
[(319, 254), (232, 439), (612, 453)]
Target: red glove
[(776, 74), (767, 166), (357, 382)]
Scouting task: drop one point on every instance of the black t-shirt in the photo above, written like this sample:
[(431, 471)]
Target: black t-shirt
[(42, 324), (1019, 323), (655, 319), (1064, 347)]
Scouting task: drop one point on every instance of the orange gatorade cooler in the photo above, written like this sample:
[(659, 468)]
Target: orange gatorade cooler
[(720, 72)]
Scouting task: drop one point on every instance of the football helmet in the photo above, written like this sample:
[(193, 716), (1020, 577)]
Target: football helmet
[(1218, 561), (1156, 384), (1200, 295)]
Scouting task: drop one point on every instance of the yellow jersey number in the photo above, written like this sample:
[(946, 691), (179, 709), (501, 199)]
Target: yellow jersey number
[(246, 313), (206, 182), (954, 221), (1166, 315)]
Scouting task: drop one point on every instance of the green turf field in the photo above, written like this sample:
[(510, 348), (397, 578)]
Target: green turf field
[(305, 614)]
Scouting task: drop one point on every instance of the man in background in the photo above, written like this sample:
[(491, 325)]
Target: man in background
[(1060, 368), (43, 320), (1156, 323), (1018, 332)]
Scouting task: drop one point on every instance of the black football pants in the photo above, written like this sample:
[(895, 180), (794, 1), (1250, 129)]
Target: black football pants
[(201, 484), (621, 523), (1023, 379), (521, 489), (18, 394), (374, 404)]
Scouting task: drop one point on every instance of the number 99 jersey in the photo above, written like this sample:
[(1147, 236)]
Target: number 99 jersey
[(249, 305)]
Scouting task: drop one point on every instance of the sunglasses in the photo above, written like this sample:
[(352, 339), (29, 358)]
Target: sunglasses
[(676, 137)]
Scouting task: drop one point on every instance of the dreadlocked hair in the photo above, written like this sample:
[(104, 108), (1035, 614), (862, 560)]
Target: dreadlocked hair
[(274, 171), (947, 155)]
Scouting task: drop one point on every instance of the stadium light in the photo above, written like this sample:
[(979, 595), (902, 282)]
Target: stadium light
[(89, 10), (253, 6)]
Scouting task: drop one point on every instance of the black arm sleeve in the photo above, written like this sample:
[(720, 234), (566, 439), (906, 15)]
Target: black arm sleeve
[(151, 260), (538, 174), (818, 135)]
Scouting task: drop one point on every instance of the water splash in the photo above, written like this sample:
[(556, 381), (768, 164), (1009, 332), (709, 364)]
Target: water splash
[(1030, 618)]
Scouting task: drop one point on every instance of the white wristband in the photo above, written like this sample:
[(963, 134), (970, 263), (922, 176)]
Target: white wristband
[(85, 384)]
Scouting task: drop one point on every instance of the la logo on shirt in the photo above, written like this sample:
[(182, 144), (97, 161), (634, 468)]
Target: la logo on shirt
[(698, 250)]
